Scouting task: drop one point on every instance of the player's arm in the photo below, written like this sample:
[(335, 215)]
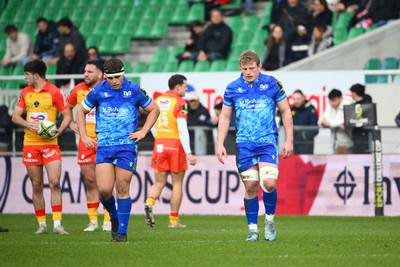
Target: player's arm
[(152, 116), (287, 120), (83, 109), (71, 101), (67, 116), (223, 128), (18, 120), (185, 140)]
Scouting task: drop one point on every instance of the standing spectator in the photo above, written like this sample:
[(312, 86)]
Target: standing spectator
[(18, 47), (291, 15), (321, 15), (360, 135), (304, 114), (254, 96), (333, 118), (117, 103), (171, 149), (191, 45), (215, 41), (41, 100), (47, 39), (198, 115), (278, 51), (70, 63), (300, 42), (93, 54), (69, 34), (321, 39)]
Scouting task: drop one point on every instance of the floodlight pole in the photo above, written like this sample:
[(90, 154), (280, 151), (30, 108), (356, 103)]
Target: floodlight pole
[(378, 170)]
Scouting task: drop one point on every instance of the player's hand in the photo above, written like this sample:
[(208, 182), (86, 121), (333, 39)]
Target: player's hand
[(221, 154), (89, 142), (74, 127), (287, 149), (192, 159), (58, 133), (137, 136), (33, 125)]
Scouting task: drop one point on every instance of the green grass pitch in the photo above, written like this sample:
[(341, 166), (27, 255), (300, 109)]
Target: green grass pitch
[(207, 241)]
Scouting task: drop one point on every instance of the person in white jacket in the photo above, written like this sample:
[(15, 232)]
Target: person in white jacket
[(18, 47), (333, 118)]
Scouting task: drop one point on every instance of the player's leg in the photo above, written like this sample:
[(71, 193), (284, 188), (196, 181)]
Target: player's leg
[(92, 195), (53, 169), (250, 180), (176, 199), (155, 191), (35, 174)]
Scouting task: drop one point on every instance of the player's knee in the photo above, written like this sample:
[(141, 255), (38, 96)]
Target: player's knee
[(37, 187), (268, 177), (249, 175), (54, 185)]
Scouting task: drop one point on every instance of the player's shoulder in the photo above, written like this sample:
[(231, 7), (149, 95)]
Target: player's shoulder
[(235, 83), (267, 78)]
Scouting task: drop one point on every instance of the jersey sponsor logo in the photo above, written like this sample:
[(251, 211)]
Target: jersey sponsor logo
[(185, 109), (144, 93), (114, 111), (253, 103), (164, 104), (34, 116)]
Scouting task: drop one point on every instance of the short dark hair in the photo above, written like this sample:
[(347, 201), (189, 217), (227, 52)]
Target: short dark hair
[(334, 93), (97, 63), (65, 22), (95, 48), (175, 80), (41, 19), (357, 88), (10, 28), (113, 65), (298, 91), (36, 66)]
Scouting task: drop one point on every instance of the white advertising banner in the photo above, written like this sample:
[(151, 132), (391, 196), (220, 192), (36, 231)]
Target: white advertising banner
[(308, 185)]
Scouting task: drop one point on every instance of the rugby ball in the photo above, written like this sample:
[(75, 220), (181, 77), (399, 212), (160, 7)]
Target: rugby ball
[(47, 129)]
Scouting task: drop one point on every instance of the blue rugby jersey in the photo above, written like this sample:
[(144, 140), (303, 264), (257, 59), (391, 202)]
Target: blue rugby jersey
[(255, 108), (117, 111)]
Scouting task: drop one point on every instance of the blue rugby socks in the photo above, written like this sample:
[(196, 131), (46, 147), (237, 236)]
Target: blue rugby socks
[(124, 212), (251, 207), (110, 207), (270, 199)]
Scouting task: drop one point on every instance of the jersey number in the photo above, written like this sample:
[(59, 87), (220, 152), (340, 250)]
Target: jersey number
[(163, 119)]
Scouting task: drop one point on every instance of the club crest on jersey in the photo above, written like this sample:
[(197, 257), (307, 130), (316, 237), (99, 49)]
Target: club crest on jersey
[(127, 93), (263, 87), (144, 93)]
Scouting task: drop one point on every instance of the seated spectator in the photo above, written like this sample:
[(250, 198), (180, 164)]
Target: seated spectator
[(291, 15), (215, 41), (196, 28), (70, 63), (18, 47), (69, 34), (321, 39), (198, 115), (333, 118), (376, 13), (277, 53), (300, 42), (322, 15), (47, 40), (93, 54)]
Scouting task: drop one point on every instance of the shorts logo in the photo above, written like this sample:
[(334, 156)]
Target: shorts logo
[(50, 154)]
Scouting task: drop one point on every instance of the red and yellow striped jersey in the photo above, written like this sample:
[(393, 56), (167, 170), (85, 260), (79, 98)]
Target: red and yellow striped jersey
[(77, 95), (172, 106), (41, 105)]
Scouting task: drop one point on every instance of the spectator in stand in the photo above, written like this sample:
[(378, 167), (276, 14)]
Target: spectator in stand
[(321, 39), (217, 111), (7, 125), (347, 5), (291, 15), (360, 135), (215, 41), (191, 44), (18, 47), (322, 15), (211, 5), (276, 13), (70, 63), (198, 115), (277, 53), (69, 34), (304, 114), (376, 13), (333, 118), (93, 54), (300, 42), (47, 40)]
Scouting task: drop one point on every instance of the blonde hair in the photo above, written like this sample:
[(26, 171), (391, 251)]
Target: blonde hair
[(249, 56)]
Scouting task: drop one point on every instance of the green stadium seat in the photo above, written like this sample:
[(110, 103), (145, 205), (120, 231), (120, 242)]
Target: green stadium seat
[(165, 13), (78, 15), (171, 2), (70, 3), (140, 67), (174, 52), (136, 13), (33, 15), (235, 23), (389, 63), (144, 30), (20, 16), (51, 69), (18, 70), (93, 40), (267, 9), (50, 14), (86, 28), (260, 36), (122, 13), (339, 35), (186, 66), (235, 53), (101, 27), (160, 29), (234, 4), (151, 13), (371, 28), (334, 20), (250, 23), (343, 20), (30, 28), (232, 66), (92, 14), (27, 4), (56, 4), (155, 67), (104, 15), (161, 54), (372, 64), (170, 66), (244, 38), (5, 71), (126, 4), (180, 15), (106, 45), (99, 3), (12, 84), (202, 66), (355, 32), (115, 27), (128, 67), (41, 4), (122, 44), (218, 65), (259, 49), (196, 12), (129, 27), (64, 13), (6, 16), (155, 2), (266, 20)]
